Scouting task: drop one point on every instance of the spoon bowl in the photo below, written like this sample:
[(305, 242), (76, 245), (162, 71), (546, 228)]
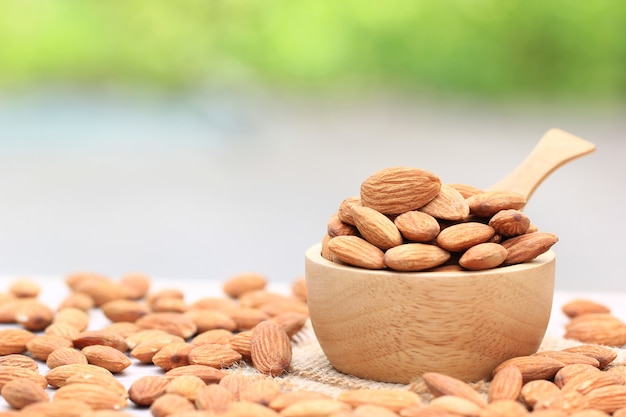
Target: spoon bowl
[(394, 326)]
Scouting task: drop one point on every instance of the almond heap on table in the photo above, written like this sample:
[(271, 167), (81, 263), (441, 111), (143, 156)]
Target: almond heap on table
[(405, 219)]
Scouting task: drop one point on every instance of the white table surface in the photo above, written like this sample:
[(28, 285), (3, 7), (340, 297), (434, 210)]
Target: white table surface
[(54, 289)]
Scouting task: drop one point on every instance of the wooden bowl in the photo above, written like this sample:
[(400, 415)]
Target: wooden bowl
[(394, 326)]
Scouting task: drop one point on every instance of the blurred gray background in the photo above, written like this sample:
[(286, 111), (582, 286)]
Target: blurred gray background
[(209, 186), (202, 139)]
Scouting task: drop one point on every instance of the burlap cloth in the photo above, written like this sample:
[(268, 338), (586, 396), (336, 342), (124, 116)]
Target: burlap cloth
[(310, 370)]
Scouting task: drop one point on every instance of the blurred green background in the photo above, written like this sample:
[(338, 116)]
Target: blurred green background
[(200, 138), (559, 49)]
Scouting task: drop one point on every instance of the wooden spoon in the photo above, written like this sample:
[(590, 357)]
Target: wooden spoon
[(555, 148)]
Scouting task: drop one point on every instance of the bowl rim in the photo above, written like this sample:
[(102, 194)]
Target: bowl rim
[(314, 254)]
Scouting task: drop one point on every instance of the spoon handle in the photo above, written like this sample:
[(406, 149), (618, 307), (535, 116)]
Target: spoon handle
[(555, 148)]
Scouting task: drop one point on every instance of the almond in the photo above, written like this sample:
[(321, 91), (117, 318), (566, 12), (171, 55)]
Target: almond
[(214, 355), (376, 228), (356, 251), (15, 359), (462, 236), (415, 257), (584, 384), (14, 340), (65, 356), (63, 330), (215, 336), (572, 371), (336, 227), (569, 402), (604, 354), (211, 319), (488, 203), (246, 317), (106, 357), (103, 290), (506, 384), (144, 352), (527, 247), (599, 328), (456, 405), (174, 323), (144, 390), (100, 337), (465, 189), (315, 407), (607, 398), (24, 288), (58, 376), (246, 408), (9, 373), (244, 282), (124, 310), (510, 222), (58, 408), (241, 343), (582, 306), (21, 392), (207, 373), (172, 355), (532, 367), (537, 390), (440, 384), (96, 396), (169, 404), (508, 408), (270, 348), (185, 385), (34, 315), (73, 316), (568, 358), (416, 226), (42, 345), (344, 212), (396, 190), (285, 399), (136, 284), (77, 300), (393, 399), (448, 204), (213, 397), (262, 391), (106, 380), (483, 256)]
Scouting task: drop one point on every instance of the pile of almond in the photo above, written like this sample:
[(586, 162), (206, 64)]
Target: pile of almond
[(405, 219), (53, 362)]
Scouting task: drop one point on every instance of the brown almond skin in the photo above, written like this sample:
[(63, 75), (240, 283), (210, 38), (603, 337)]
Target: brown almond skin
[(527, 247), (490, 202), (144, 390), (356, 251), (14, 340), (581, 306), (462, 236), (440, 384), (510, 222), (345, 209), (270, 348), (483, 256), (415, 257), (106, 357), (506, 384), (336, 227), (396, 190), (21, 392), (213, 354), (449, 204), (417, 226), (532, 367), (244, 282), (376, 228)]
